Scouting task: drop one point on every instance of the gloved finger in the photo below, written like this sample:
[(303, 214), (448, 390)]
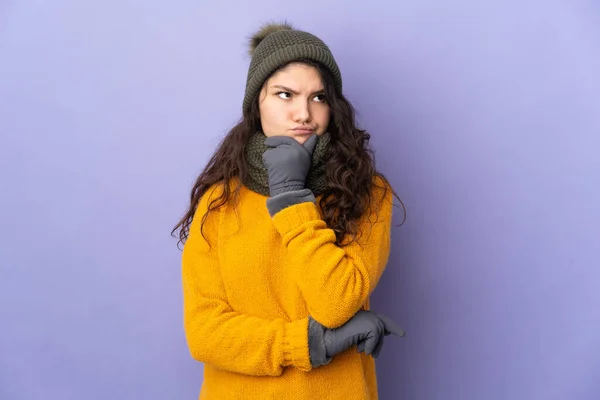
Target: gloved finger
[(361, 347), (311, 143), (390, 326), (378, 347), (370, 344), (373, 338), (275, 141), (267, 157)]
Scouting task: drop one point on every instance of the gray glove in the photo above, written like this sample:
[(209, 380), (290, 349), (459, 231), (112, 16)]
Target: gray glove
[(366, 329), (389, 328), (288, 163)]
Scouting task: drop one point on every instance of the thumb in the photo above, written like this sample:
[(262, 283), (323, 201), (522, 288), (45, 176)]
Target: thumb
[(390, 326), (311, 143)]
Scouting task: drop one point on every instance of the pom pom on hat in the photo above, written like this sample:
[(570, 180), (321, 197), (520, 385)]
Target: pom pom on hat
[(265, 31)]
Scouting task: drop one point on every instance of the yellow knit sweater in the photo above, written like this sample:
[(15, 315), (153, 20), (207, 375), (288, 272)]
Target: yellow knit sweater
[(248, 295)]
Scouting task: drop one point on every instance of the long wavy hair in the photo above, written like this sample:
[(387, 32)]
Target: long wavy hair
[(349, 166)]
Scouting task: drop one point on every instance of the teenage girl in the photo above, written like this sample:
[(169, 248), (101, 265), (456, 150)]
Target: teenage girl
[(286, 237)]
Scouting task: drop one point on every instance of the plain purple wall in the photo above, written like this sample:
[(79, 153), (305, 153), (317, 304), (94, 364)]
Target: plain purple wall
[(485, 117)]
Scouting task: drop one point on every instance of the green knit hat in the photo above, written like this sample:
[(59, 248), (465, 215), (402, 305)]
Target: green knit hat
[(277, 44)]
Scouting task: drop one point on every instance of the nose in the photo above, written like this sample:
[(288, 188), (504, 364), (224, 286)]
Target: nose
[(301, 112)]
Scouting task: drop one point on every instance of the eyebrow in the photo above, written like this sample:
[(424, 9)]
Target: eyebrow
[(287, 89)]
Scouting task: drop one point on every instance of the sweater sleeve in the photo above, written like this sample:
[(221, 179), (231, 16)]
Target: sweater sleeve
[(218, 335), (336, 281)]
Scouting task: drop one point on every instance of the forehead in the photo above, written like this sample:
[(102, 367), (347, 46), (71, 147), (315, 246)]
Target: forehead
[(298, 74)]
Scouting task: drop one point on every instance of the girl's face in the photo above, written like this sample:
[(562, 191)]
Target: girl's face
[(292, 103)]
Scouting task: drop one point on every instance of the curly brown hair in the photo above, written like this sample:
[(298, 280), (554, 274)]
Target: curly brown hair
[(350, 166)]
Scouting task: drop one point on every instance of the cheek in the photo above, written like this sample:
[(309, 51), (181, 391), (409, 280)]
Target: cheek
[(279, 114), (323, 116), (271, 118)]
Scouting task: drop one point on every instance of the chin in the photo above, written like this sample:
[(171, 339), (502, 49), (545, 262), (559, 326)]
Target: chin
[(301, 138)]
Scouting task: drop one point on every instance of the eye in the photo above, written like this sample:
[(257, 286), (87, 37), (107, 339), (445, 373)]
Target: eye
[(320, 98), (283, 94)]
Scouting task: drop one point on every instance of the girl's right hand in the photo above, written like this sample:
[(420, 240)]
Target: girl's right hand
[(288, 163)]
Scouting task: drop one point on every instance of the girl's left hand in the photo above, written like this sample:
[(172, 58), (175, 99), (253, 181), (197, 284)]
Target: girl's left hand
[(389, 327)]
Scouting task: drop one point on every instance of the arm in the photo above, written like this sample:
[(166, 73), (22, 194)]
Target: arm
[(215, 333), (336, 281)]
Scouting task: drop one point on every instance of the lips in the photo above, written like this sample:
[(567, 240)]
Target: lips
[(304, 131)]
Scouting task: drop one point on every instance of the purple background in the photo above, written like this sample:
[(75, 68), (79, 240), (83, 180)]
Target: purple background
[(486, 118)]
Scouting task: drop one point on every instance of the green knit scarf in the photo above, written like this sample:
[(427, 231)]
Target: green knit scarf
[(258, 178)]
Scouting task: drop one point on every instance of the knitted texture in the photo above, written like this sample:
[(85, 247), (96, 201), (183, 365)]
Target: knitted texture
[(280, 48), (250, 284), (258, 179)]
